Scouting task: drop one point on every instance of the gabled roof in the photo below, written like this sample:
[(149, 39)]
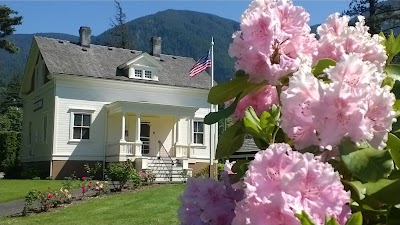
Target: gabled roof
[(64, 57)]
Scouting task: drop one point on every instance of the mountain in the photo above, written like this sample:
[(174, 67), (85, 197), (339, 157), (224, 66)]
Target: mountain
[(14, 64), (184, 33)]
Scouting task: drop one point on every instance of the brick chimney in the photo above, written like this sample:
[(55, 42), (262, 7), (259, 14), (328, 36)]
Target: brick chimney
[(85, 34), (155, 46)]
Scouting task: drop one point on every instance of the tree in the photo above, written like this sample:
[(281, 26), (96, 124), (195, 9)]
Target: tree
[(7, 23), (379, 15), (11, 120), (10, 96), (121, 35)]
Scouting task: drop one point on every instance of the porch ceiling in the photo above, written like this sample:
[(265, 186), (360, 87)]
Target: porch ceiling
[(149, 108)]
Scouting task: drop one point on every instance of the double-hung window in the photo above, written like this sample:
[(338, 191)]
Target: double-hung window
[(81, 126), (198, 132)]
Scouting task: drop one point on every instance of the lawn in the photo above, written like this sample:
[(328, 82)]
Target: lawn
[(147, 206), (17, 189)]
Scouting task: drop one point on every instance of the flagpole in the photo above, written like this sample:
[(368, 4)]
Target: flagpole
[(212, 142)]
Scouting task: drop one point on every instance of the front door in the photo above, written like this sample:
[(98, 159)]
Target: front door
[(145, 137)]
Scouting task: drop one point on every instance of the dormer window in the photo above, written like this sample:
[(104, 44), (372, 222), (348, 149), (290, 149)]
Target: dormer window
[(138, 73), (147, 74), (143, 67)]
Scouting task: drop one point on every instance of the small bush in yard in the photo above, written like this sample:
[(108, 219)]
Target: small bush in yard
[(148, 176), (30, 198), (45, 199), (120, 173), (136, 179), (101, 188), (92, 170)]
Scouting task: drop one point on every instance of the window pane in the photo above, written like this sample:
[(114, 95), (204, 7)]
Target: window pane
[(198, 138), (200, 127), (138, 73), (195, 124), (77, 119), (77, 133), (85, 133), (147, 74), (86, 120)]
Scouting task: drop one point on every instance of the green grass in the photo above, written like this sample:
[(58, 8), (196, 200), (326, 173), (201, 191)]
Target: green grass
[(148, 206), (17, 189)]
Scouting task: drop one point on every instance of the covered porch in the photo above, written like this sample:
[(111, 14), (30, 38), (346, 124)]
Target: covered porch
[(138, 131)]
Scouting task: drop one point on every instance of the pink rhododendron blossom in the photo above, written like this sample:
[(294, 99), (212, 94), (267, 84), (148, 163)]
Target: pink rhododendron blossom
[(206, 201), (281, 182), (338, 38), (352, 105), (273, 39), (260, 100)]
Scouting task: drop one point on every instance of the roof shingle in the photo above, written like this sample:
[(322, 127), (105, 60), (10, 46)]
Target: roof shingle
[(64, 57)]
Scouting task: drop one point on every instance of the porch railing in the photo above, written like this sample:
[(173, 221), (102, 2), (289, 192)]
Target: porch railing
[(127, 148)]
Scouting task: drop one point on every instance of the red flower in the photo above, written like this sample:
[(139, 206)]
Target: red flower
[(83, 189), (50, 195), (84, 178), (89, 185)]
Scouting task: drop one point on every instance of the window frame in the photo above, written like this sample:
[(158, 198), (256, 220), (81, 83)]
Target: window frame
[(194, 132), (82, 112)]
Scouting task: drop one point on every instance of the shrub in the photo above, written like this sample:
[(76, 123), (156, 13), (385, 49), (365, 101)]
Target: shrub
[(92, 170), (9, 149), (30, 172), (120, 173), (136, 179), (46, 200), (30, 198), (101, 188), (184, 175), (148, 176)]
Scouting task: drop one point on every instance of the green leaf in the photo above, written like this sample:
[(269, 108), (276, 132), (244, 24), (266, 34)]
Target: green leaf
[(393, 71), (331, 221), (355, 219), (392, 46), (393, 217), (226, 91), (321, 65), (367, 163), (230, 141), (384, 190), (214, 117), (393, 143), (252, 122), (388, 81), (261, 144), (304, 218), (396, 107), (356, 188)]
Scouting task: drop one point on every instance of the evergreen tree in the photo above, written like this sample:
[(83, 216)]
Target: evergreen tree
[(379, 15), (121, 35), (7, 23), (10, 96)]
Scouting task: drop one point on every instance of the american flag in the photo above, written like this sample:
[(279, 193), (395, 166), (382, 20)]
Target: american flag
[(202, 64)]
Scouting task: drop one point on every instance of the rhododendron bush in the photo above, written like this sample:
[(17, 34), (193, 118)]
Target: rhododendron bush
[(323, 113)]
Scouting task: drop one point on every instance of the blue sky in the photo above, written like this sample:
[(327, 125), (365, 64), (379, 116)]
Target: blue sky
[(67, 16)]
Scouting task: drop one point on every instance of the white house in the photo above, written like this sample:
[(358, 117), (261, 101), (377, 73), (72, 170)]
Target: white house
[(90, 103)]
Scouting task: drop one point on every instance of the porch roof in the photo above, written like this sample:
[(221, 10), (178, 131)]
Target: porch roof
[(150, 108)]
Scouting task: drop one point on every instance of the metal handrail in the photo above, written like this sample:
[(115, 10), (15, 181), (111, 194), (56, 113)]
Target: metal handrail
[(165, 150)]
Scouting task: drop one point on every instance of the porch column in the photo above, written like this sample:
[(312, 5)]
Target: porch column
[(123, 127), (138, 142), (138, 123), (190, 135), (180, 148)]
